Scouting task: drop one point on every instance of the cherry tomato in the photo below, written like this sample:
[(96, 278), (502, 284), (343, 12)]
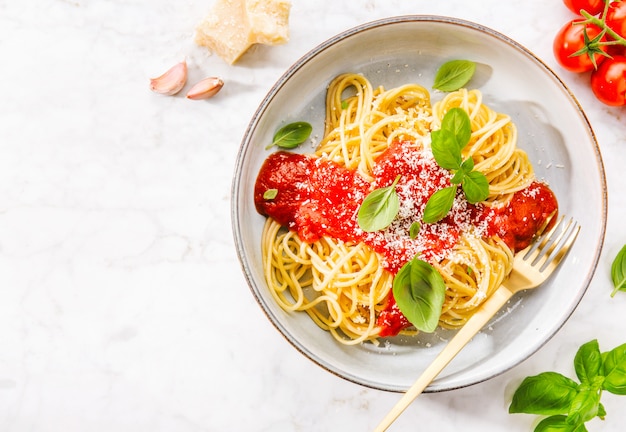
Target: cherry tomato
[(616, 17), (570, 39), (594, 7), (608, 82), (616, 50)]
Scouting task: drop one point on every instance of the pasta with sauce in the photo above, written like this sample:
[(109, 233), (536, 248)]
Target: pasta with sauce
[(317, 260)]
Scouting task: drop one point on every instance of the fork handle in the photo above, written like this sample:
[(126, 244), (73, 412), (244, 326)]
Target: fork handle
[(473, 325)]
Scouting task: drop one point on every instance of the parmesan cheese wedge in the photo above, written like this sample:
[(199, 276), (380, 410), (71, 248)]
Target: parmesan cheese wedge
[(233, 26)]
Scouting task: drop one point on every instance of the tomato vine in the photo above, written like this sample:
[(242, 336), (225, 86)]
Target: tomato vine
[(596, 42), (601, 22)]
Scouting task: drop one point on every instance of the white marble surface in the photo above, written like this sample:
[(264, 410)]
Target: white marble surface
[(122, 303)]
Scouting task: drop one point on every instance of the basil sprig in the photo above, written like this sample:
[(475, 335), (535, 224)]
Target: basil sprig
[(570, 404), (447, 144), (618, 271), (419, 291), (379, 208), (453, 75), (291, 135)]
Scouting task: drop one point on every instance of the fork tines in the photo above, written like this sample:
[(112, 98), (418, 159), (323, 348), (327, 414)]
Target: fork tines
[(550, 248)]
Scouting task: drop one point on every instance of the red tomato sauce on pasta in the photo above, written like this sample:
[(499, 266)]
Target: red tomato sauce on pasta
[(316, 198)]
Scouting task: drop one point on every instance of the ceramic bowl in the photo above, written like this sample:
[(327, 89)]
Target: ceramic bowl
[(552, 129)]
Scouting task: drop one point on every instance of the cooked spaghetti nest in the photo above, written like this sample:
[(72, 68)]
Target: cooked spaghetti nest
[(472, 272), (342, 286), (493, 145), (361, 122)]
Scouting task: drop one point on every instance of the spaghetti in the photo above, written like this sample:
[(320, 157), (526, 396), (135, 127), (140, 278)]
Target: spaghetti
[(317, 259)]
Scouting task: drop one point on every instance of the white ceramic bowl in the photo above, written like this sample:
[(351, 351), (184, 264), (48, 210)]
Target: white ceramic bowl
[(553, 130)]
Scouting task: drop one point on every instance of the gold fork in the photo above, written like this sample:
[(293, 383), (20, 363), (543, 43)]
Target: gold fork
[(532, 266)]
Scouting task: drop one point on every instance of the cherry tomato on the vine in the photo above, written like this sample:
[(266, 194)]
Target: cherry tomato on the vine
[(616, 50), (608, 82), (594, 7), (616, 17), (569, 40)]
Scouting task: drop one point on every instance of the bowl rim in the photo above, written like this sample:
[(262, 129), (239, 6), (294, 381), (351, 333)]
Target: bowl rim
[(302, 61)]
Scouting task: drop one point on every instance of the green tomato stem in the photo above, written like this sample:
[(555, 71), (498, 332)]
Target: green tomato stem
[(601, 23)]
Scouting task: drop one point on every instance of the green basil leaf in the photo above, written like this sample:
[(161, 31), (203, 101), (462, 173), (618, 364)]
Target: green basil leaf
[(618, 271), (445, 149), (458, 123), (580, 428), (584, 406), (548, 393), (291, 135), (439, 204), (558, 423), (270, 194), (457, 178), (601, 412), (419, 291), (614, 370), (414, 230), (475, 186), (379, 208), (453, 75), (588, 362), (467, 166)]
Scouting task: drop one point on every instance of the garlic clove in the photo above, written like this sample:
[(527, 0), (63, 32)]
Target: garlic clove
[(172, 81), (205, 89)]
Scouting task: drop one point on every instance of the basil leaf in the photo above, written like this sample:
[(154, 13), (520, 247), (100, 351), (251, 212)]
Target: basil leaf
[(453, 75), (270, 194), (558, 423), (458, 123), (447, 142), (548, 393), (588, 362), (291, 135), (458, 177), (419, 291), (445, 149), (379, 208), (439, 204), (414, 230), (475, 186), (614, 370), (618, 271), (584, 406), (467, 166)]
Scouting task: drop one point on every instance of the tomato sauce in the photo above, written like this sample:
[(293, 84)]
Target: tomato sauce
[(315, 197), (318, 198), (528, 210)]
